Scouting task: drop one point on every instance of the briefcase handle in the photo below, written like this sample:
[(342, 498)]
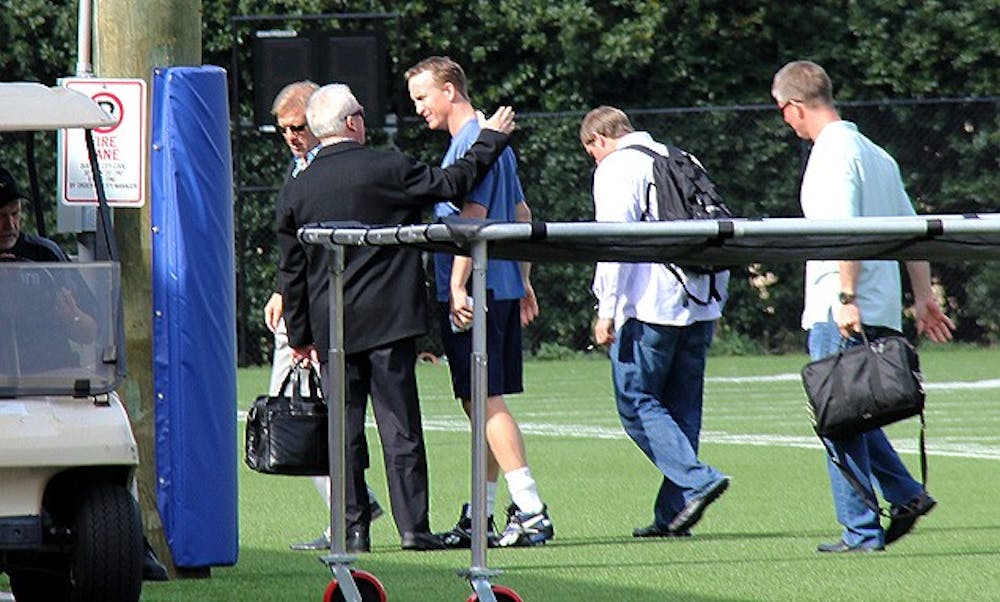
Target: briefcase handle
[(874, 377), (294, 378)]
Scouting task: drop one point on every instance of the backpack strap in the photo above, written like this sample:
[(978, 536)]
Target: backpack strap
[(713, 290), (647, 214)]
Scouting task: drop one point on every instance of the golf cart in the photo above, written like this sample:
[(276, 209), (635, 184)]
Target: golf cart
[(69, 522)]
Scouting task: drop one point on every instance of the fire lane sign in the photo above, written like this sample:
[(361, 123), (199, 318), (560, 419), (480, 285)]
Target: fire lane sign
[(121, 148)]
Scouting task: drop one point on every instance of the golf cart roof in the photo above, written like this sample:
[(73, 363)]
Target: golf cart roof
[(26, 106)]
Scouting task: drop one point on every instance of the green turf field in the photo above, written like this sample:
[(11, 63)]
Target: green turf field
[(756, 543)]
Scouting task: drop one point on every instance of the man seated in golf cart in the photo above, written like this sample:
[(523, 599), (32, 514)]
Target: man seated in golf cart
[(48, 312), (53, 307)]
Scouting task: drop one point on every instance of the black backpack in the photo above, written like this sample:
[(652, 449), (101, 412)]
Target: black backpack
[(684, 191)]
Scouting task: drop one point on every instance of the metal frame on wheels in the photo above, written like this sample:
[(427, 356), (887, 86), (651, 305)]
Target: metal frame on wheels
[(338, 561), (478, 573), (959, 237)]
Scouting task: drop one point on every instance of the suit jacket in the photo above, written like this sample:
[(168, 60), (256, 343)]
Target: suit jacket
[(384, 291)]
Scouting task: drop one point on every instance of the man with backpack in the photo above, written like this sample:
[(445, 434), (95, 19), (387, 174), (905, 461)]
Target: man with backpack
[(658, 320)]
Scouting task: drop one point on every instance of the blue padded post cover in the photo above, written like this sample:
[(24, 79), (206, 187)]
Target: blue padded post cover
[(194, 315)]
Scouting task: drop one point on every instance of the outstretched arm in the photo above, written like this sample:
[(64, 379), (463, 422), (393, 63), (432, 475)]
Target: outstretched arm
[(931, 321)]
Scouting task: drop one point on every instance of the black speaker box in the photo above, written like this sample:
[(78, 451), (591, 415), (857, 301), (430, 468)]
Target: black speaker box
[(358, 60)]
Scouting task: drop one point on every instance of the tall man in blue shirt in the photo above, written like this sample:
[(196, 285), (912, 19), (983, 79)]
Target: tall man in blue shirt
[(437, 87)]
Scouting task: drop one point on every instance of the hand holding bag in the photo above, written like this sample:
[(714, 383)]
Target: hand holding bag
[(288, 435)]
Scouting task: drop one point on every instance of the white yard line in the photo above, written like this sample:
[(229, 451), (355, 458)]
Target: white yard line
[(958, 447), (993, 383)]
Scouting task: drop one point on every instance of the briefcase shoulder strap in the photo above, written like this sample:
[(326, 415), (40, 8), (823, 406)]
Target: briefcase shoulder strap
[(866, 492)]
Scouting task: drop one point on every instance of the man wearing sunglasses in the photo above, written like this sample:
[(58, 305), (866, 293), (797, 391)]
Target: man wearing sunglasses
[(289, 110), (848, 176)]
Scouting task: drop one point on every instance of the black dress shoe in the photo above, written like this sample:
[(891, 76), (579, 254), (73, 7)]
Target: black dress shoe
[(358, 542), (152, 568), (692, 512), (421, 542), (654, 531), (842, 547), (320, 543), (903, 518)]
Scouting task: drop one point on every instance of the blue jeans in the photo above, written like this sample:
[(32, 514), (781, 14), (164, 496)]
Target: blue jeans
[(869, 455), (658, 374)]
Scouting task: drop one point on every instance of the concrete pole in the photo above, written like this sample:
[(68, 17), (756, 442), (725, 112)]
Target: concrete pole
[(131, 37)]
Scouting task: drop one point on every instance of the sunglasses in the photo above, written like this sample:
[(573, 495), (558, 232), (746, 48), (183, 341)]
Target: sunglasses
[(782, 107), (294, 129)]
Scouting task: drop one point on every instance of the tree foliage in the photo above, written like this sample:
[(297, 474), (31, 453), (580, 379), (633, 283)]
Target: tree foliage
[(555, 59)]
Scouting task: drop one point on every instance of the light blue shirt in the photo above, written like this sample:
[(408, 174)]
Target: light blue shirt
[(300, 163), (848, 176), (499, 191)]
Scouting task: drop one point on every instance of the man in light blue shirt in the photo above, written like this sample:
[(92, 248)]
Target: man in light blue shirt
[(847, 176)]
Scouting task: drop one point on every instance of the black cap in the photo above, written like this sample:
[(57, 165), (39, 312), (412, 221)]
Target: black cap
[(8, 188)]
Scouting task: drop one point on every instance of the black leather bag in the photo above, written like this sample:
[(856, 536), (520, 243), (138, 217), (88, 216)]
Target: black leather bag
[(288, 435), (864, 387)]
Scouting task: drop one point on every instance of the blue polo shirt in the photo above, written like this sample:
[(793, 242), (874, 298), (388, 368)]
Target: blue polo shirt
[(499, 191)]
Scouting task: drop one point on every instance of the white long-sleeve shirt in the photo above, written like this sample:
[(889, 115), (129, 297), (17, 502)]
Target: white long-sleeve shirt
[(648, 292)]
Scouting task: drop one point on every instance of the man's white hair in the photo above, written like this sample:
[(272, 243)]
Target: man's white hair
[(328, 109)]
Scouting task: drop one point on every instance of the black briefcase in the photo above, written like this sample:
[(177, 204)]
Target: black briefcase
[(288, 435), (864, 387)]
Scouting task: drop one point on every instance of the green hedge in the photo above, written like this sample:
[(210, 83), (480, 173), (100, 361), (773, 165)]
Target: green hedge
[(554, 59)]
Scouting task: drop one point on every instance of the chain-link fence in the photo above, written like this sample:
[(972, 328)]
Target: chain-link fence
[(946, 149)]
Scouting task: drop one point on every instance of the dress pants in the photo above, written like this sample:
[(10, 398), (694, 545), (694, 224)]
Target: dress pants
[(386, 374)]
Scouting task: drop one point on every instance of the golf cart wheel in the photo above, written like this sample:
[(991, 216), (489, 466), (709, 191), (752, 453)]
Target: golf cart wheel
[(106, 561), (369, 587), (33, 586), (501, 593)]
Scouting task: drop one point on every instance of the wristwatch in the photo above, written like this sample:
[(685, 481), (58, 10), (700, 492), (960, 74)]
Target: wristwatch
[(847, 298)]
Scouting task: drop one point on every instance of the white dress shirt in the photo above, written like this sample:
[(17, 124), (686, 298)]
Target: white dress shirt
[(648, 292)]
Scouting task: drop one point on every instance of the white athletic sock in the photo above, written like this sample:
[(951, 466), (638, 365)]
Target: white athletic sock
[(491, 500), (491, 497), (523, 490)]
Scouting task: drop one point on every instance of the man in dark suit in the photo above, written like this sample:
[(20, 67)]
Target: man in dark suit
[(384, 293)]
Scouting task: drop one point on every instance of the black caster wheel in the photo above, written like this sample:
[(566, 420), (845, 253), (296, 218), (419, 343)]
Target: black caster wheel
[(369, 587), (502, 594)]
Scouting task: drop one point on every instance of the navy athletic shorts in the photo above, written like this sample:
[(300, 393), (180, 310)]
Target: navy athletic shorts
[(503, 348)]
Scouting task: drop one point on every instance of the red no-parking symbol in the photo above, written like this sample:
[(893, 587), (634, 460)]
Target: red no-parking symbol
[(113, 106)]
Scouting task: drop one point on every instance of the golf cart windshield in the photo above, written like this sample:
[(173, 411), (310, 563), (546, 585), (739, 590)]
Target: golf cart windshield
[(57, 328), (60, 323)]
